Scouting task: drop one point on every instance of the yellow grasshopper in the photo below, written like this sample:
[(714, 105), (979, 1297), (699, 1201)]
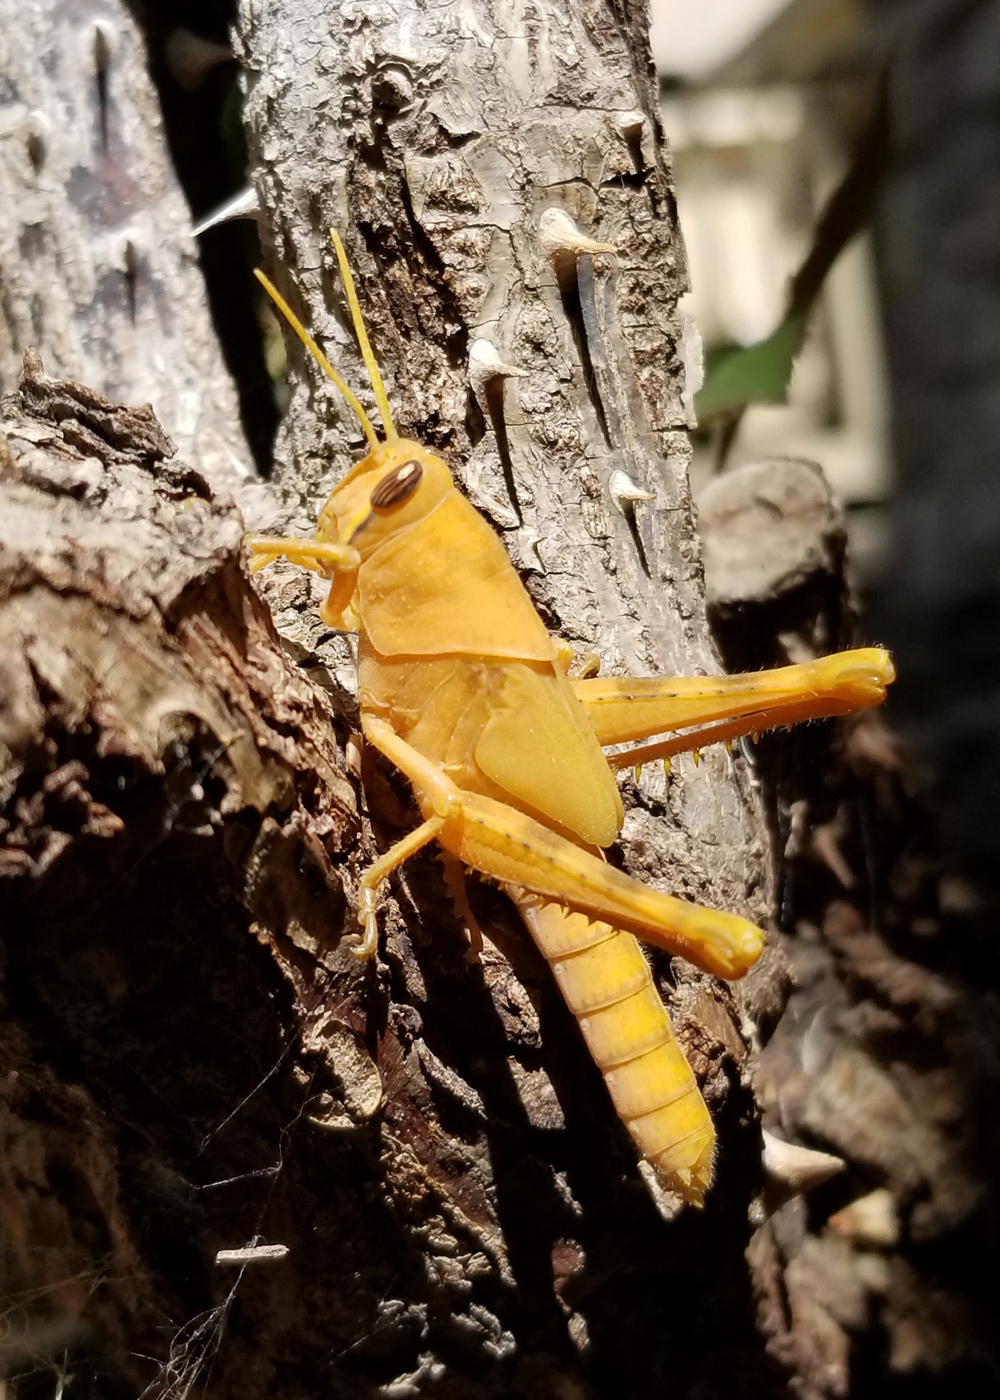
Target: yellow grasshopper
[(464, 691)]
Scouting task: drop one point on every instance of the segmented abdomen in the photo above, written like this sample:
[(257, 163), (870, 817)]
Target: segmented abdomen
[(607, 984)]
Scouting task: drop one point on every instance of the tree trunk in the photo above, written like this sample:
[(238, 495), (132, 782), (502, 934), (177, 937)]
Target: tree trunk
[(195, 1059)]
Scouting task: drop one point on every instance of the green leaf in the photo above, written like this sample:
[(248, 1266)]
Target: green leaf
[(753, 374)]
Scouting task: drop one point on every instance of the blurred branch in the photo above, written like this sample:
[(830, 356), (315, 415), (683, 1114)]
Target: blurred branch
[(760, 373)]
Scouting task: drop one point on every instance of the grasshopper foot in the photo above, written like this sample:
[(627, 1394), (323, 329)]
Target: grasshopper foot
[(474, 952), (368, 946)]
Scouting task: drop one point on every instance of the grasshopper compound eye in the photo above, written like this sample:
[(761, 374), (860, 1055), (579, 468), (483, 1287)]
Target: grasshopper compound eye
[(397, 487)]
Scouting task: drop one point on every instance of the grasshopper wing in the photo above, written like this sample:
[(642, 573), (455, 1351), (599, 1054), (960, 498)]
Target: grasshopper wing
[(538, 747)]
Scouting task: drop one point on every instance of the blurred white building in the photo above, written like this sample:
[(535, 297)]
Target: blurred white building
[(762, 102)]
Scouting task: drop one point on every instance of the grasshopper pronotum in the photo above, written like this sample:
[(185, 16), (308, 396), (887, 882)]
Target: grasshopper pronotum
[(462, 688)]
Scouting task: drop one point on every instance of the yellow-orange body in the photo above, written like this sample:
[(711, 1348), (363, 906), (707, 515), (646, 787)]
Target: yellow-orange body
[(461, 686)]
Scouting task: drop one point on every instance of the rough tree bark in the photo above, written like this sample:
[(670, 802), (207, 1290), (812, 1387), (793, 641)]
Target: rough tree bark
[(97, 265), (437, 139), (190, 1056)]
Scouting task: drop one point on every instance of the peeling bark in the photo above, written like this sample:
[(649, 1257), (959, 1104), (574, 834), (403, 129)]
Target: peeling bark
[(171, 785)]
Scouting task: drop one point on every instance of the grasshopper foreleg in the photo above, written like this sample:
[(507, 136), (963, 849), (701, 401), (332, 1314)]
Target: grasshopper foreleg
[(339, 563)]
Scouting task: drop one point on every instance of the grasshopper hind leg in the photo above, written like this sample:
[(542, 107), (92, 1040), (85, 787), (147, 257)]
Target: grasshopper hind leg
[(718, 709), (455, 883), (506, 845)]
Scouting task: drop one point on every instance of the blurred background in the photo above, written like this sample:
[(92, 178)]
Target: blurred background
[(764, 104), (769, 106)]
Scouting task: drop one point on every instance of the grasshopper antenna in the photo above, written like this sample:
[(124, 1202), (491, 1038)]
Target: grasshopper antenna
[(371, 365), (321, 359)]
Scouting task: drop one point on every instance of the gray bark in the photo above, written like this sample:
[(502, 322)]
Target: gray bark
[(434, 140), (98, 269)]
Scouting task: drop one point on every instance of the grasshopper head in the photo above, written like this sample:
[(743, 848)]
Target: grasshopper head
[(398, 482), (390, 490)]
